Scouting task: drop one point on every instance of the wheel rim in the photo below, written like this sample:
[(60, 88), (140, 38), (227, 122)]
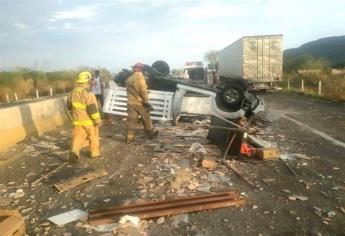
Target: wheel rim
[(231, 96)]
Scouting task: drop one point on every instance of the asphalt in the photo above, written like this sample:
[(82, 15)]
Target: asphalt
[(271, 209)]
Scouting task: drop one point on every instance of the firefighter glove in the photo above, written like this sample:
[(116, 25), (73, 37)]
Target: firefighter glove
[(148, 106)]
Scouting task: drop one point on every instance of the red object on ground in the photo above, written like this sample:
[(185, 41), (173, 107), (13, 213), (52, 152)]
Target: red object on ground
[(247, 150)]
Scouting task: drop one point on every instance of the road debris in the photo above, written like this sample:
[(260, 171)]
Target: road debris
[(127, 218), (164, 168), (209, 163), (288, 166), (73, 182), (197, 148), (11, 223), (267, 154), (301, 198), (167, 207), (237, 172), (49, 174), (182, 176), (67, 217)]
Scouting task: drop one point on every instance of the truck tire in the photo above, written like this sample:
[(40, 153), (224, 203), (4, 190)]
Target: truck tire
[(162, 67), (232, 96)]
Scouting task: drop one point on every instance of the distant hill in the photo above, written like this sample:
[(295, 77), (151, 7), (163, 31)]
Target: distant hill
[(331, 48)]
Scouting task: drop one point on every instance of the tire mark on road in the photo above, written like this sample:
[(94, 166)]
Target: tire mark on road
[(315, 131)]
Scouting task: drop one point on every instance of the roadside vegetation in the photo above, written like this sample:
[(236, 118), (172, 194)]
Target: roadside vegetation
[(25, 82), (312, 70)]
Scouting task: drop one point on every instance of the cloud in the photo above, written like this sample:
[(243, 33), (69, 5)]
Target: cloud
[(81, 13), (207, 10), (67, 26), (22, 26)]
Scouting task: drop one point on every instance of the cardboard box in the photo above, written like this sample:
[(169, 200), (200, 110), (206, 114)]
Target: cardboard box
[(11, 223), (267, 154)]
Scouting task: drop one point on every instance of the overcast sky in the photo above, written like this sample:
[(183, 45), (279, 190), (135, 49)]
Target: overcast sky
[(65, 34)]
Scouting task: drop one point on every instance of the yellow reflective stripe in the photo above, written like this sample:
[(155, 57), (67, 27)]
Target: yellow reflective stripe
[(95, 116), (79, 105), (78, 89), (83, 122)]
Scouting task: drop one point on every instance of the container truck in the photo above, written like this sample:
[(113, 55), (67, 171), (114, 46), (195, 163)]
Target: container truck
[(257, 60)]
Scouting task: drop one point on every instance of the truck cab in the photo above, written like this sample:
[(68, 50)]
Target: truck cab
[(194, 72)]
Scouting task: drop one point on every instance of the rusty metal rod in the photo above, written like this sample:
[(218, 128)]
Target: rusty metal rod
[(180, 207), (171, 211), (170, 202), (160, 206)]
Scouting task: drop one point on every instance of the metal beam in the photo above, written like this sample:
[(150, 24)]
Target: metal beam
[(167, 207)]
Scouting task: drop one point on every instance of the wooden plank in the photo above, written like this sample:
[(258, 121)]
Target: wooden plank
[(73, 182), (48, 174), (267, 154)]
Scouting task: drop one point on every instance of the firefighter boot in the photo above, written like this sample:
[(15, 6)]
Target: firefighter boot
[(152, 133), (73, 157)]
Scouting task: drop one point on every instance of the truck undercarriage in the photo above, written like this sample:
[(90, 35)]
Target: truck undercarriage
[(230, 100)]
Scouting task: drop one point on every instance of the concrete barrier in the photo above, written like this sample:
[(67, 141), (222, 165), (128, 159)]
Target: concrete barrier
[(19, 122)]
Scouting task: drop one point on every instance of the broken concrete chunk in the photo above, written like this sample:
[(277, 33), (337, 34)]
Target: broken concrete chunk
[(331, 214), (268, 180), (127, 218), (160, 220), (28, 148), (301, 198), (209, 164), (197, 148), (291, 198), (342, 210), (182, 176)]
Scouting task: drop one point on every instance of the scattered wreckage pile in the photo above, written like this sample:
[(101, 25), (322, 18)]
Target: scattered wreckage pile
[(192, 167), (183, 175)]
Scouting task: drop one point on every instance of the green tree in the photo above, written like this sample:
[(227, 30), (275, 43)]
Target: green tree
[(305, 62), (212, 57)]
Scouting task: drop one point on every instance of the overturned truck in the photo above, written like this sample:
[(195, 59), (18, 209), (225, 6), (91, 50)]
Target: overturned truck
[(173, 97)]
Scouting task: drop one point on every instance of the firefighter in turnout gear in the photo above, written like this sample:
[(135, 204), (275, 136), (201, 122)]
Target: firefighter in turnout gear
[(137, 104), (82, 105)]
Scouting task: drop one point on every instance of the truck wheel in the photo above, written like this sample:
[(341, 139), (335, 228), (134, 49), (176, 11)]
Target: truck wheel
[(232, 96), (161, 66)]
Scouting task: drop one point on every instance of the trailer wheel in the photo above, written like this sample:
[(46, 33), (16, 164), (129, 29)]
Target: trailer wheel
[(232, 96), (162, 67)]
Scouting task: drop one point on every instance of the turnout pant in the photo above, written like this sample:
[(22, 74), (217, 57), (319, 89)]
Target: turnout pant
[(83, 133), (134, 110)]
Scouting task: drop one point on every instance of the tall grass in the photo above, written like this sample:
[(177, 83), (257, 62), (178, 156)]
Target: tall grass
[(333, 86), (24, 82)]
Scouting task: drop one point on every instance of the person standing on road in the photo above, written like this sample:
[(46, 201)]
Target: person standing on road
[(137, 104), (97, 87), (83, 107)]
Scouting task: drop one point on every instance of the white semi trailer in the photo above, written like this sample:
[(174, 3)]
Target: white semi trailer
[(256, 59)]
